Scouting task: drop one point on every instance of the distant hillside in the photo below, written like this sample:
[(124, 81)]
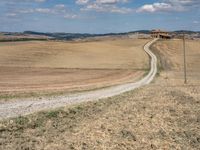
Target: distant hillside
[(32, 35), (68, 36), (141, 31), (186, 32)]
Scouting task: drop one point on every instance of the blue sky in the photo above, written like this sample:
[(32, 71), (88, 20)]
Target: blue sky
[(98, 16)]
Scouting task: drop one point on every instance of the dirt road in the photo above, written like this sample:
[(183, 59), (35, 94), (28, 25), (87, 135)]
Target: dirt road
[(31, 105)]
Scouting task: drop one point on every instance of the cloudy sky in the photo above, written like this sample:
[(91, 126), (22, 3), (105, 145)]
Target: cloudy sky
[(98, 16)]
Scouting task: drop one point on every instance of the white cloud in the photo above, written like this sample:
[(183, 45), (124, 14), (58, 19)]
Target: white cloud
[(16, 2), (183, 2), (11, 15), (105, 6), (39, 0), (25, 11), (110, 1), (43, 10), (170, 5), (82, 2), (60, 6), (70, 16), (58, 9), (196, 22), (155, 7)]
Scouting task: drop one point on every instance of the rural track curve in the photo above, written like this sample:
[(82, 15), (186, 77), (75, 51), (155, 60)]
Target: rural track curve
[(30, 105)]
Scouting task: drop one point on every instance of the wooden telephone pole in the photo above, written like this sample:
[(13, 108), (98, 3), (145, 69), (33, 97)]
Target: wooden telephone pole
[(184, 59)]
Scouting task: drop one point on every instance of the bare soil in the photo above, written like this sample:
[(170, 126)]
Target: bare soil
[(33, 67), (37, 79)]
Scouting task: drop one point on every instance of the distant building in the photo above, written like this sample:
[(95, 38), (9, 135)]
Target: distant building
[(160, 34)]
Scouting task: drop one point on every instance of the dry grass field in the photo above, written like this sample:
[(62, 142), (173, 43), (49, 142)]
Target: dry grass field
[(162, 115), (4, 38), (46, 66), (171, 52)]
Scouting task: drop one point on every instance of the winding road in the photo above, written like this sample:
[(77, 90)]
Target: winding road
[(31, 105)]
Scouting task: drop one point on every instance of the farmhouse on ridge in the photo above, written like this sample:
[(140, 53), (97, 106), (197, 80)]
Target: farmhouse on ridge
[(160, 34)]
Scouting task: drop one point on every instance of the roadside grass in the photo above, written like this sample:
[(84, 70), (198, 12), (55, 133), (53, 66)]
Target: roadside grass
[(21, 121), (160, 67), (146, 72), (52, 123), (10, 96)]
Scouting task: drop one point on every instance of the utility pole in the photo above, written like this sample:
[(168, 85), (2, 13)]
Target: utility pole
[(184, 58)]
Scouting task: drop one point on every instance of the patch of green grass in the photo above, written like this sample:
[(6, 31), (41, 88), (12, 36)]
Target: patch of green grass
[(21, 121), (160, 69), (52, 114), (21, 39), (38, 122), (7, 96), (146, 72), (128, 135), (27, 95)]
